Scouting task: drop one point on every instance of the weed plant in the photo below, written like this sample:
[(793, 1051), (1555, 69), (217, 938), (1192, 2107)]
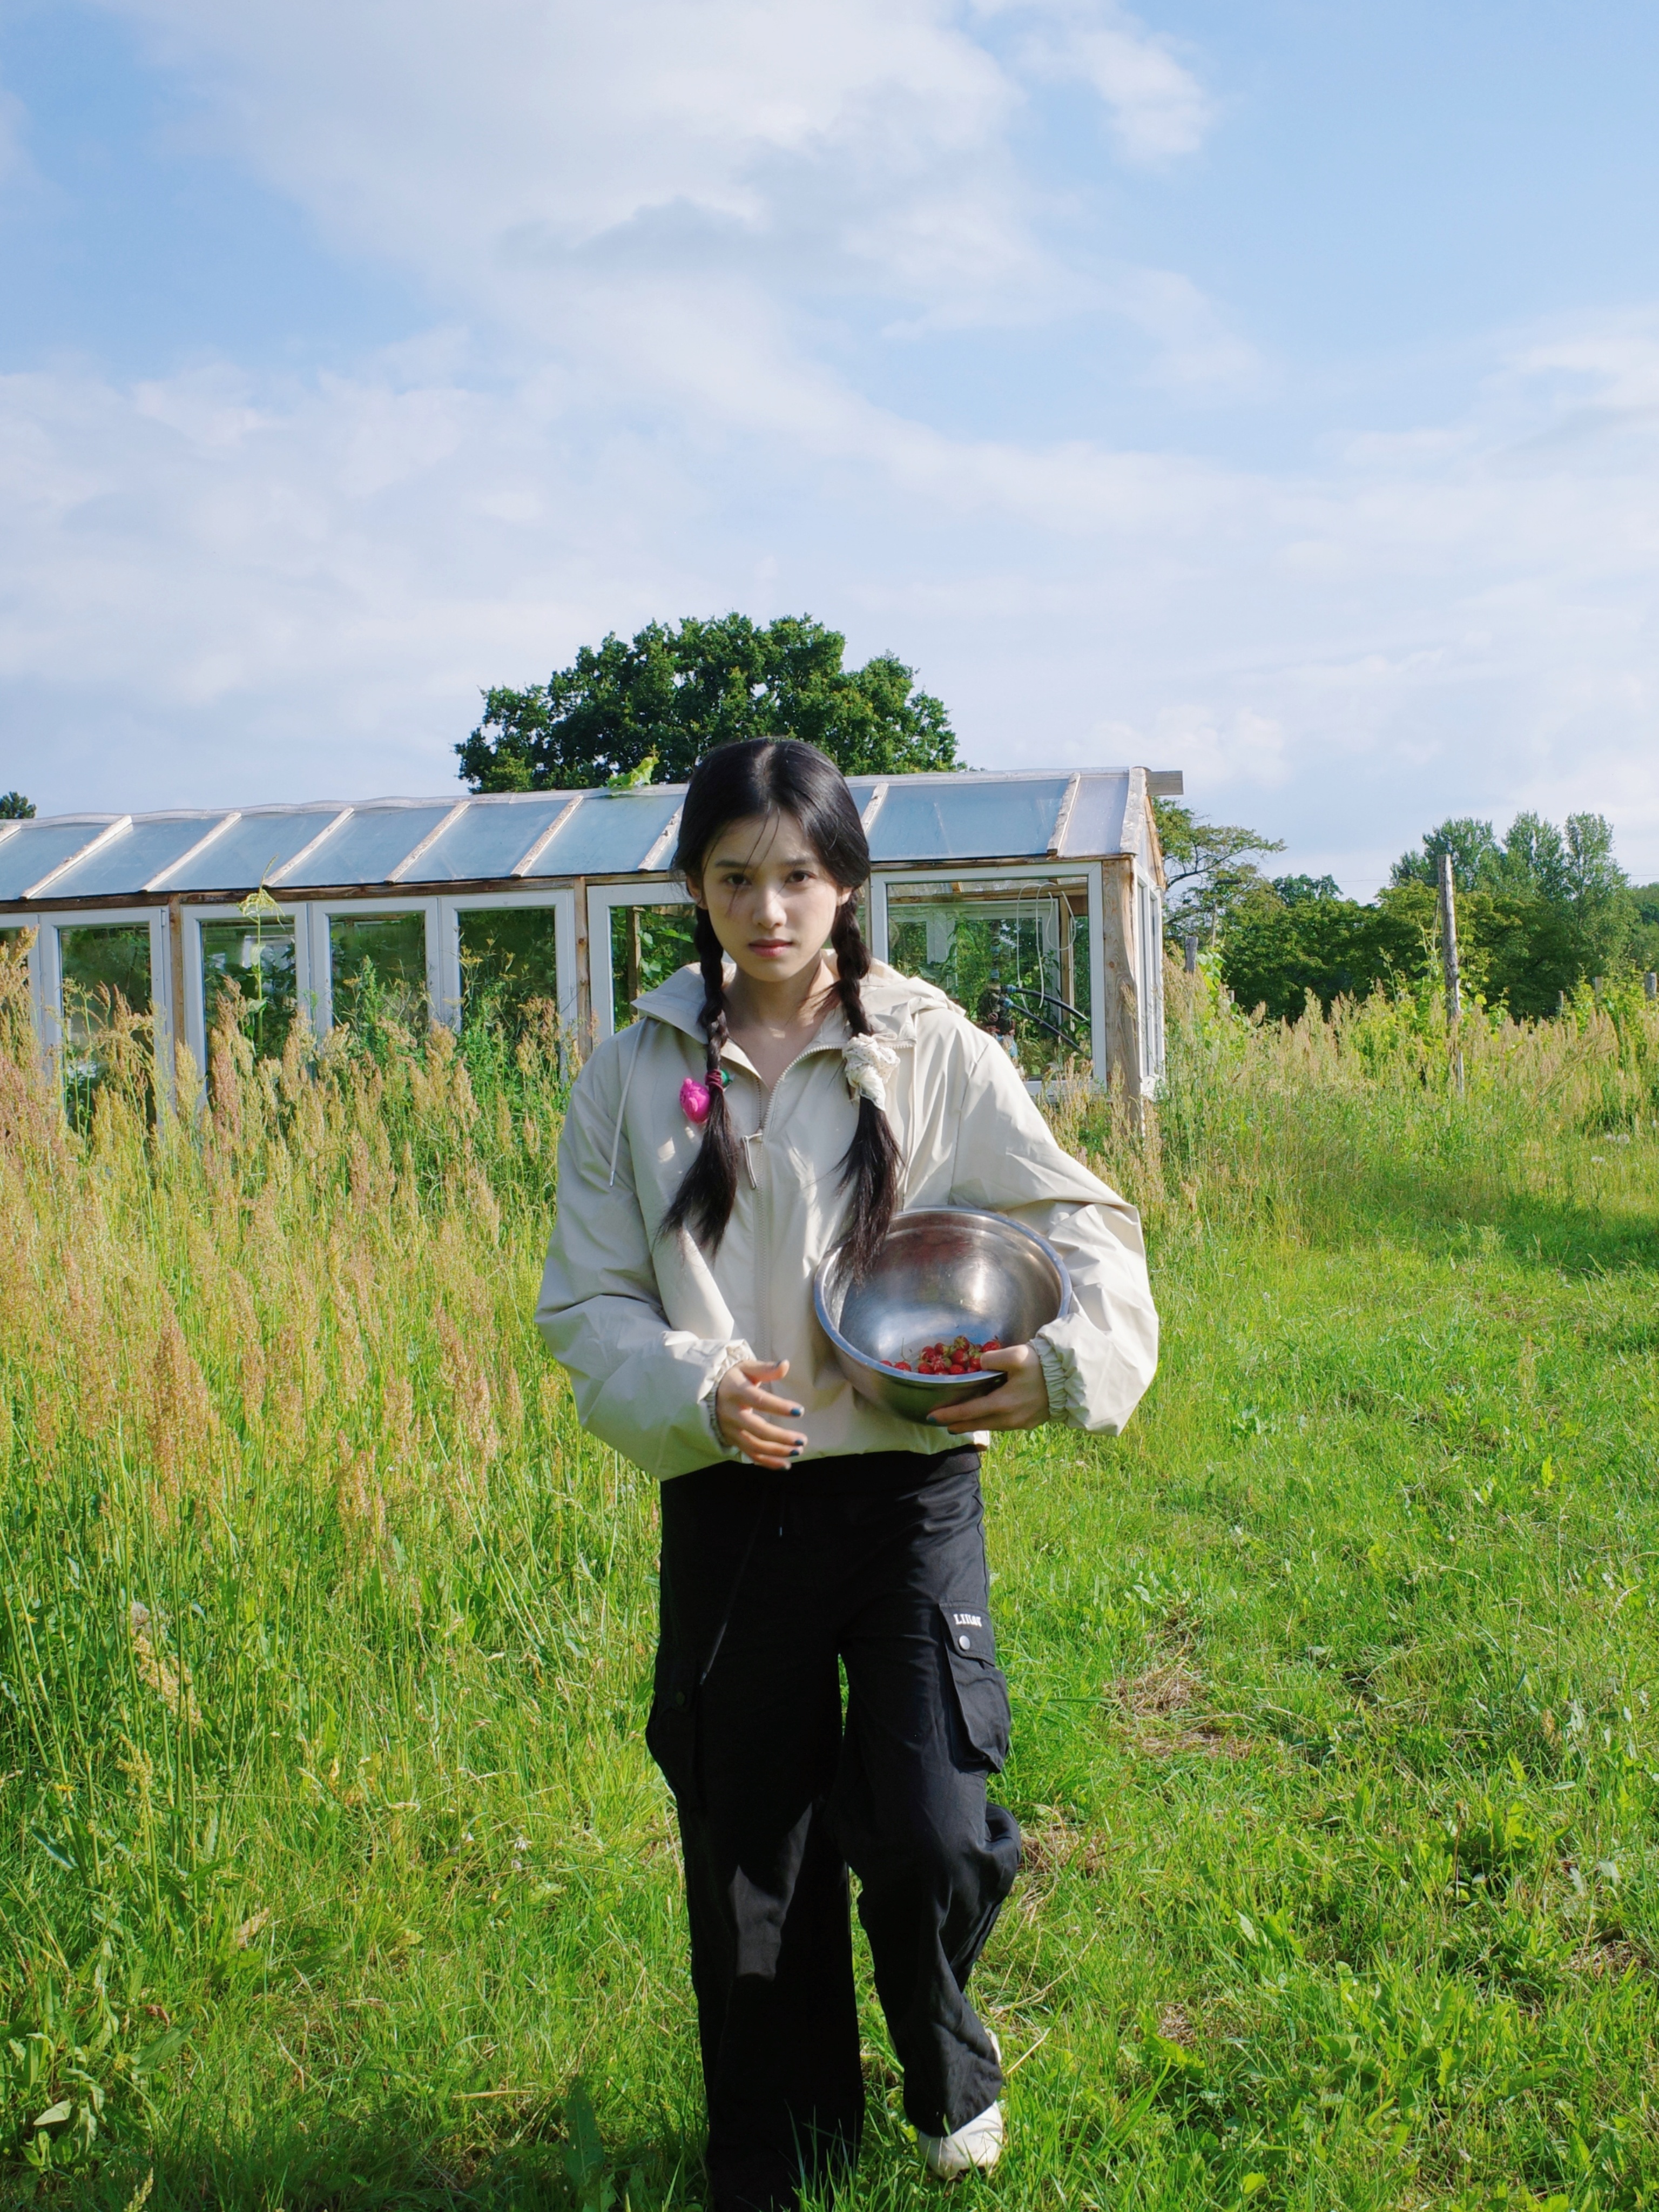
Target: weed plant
[(333, 1872)]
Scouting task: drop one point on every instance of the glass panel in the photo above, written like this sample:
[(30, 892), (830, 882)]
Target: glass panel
[(378, 967), (1096, 826), (248, 976), (368, 847), (950, 821), (37, 848), (251, 849), (647, 944), (106, 977), (509, 965), (14, 941), (128, 862), (609, 834), (490, 839), (1014, 955)]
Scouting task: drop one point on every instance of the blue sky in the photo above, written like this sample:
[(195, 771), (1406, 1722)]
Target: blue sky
[(1270, 392)]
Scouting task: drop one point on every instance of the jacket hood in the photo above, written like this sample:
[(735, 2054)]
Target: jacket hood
[(892, 1001)]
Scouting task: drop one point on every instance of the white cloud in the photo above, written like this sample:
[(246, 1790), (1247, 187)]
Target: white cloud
[(457, 139), (654, 233), (526, 157), (1197, 351), (218, 588), (1159, 110), (1617, 361), (1243, 748)]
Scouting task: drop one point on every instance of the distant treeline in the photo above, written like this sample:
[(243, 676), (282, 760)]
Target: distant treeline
[(1538, 910)]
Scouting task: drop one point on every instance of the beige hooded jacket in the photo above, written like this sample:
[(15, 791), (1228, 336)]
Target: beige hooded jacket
[(646, 1325)]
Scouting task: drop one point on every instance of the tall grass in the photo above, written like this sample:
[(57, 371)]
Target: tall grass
[(332, 1870), (1302, 1129)]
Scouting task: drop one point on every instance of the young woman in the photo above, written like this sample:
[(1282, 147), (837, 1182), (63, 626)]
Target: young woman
[(769, 1102)]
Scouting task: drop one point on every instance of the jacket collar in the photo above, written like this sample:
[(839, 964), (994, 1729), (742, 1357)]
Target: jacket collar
[(892, 1001)]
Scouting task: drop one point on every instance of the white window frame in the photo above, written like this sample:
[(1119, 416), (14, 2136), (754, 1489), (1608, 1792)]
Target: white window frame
[(1053, 871), (46, 972), (448, 1006), (602, 901), (193, 918), (320, 956)]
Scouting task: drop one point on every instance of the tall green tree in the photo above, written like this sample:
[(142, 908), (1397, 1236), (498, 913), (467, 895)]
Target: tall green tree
[(1207, 872), (1574, 863), (1293, 890), (1473, 846), (14, 807), (1593, 877), (1532, 862), (648, 709)]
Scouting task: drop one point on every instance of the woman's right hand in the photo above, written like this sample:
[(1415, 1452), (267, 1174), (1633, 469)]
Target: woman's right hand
[(750, 1416)]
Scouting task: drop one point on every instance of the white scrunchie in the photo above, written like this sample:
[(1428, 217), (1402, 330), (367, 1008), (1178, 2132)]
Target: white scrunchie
[(869, 1062)]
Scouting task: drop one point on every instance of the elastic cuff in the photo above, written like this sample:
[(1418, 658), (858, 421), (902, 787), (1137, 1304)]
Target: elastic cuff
[(733, 1356), (1055, 1377)]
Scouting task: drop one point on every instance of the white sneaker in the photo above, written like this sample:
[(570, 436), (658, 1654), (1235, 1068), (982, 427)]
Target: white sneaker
[(976, 2145)]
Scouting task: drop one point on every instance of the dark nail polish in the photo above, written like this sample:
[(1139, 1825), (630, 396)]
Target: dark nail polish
[(798, 1412)]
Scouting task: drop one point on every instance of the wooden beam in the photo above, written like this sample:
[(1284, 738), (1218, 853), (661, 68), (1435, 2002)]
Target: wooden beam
[(584, 992), (1122, 994)]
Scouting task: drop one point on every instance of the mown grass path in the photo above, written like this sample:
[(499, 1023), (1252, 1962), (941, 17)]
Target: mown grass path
[(336, 1874)]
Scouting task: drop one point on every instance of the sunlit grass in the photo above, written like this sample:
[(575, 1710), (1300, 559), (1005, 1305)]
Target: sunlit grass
[(331, 1858)]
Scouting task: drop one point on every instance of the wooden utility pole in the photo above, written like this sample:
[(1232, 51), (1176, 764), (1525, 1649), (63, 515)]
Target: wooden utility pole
[(1449, 937), (1449, 954)]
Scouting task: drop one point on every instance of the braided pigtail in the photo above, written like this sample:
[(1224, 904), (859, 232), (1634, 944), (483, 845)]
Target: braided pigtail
[(704, 1200), (869, 1168)]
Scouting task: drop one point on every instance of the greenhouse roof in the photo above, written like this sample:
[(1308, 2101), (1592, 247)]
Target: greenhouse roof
[(531, 836)]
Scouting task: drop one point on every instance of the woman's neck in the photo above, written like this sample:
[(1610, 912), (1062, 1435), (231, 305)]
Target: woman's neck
[(781, 1007)]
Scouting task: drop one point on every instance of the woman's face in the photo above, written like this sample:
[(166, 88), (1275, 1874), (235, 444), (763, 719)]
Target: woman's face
[(770, 898)]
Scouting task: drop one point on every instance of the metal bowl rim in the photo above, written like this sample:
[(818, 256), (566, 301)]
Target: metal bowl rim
[(921, 1214)]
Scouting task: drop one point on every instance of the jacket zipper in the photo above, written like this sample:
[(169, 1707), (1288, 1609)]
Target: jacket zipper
[(757, 1136), (764, 1263)]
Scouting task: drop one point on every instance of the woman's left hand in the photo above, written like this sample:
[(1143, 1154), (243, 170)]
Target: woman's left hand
[(1021, 1403)]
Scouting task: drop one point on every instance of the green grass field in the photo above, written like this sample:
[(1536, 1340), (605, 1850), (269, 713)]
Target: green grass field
[(333, 1872)]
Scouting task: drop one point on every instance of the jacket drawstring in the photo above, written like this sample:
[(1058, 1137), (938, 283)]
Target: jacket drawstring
[(622, 1105)]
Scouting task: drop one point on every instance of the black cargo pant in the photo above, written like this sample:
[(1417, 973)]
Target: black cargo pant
[(878, 1561)]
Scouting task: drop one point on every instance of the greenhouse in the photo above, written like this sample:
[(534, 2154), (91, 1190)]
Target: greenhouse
[(1035, 900)]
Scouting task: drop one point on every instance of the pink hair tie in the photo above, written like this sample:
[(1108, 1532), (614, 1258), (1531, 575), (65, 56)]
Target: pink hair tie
[(693, 1099)]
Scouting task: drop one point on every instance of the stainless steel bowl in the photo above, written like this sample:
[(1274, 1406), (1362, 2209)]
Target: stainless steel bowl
[(944, 1271)]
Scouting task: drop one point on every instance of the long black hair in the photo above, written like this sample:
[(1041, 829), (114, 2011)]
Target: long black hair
[(771, 776)]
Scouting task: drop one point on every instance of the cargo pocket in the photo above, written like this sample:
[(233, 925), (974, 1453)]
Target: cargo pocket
[(981, 1688), (670, 1732)]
